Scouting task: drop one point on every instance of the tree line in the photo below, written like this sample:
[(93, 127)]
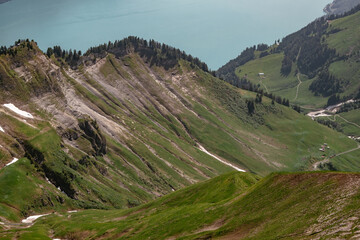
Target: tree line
[(347, 107), (12, 50), (72, 57), (327, 84), (336, 98), (154, 52), (331, 124), (305, 48)]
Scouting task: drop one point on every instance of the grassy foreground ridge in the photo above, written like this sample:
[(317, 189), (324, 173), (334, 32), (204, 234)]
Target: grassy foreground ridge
[(233, 206)]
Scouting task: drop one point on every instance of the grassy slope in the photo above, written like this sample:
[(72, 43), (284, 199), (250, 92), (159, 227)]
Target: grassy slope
[(304, 139), (349, 122), (24, 190), (353, 117), (346, 42), (16, 197), (279, 84), (288, 137), (232, 206)]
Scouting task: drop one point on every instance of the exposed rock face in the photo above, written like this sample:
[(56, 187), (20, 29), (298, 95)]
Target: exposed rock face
[(36, 156), (62, 180), (340, 6), (69, 134), (93, 134)]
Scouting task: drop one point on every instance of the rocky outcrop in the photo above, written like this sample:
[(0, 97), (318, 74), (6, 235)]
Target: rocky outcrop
[(340, 6), (35, 156), (62, 179), (92, 133), (69, 134)]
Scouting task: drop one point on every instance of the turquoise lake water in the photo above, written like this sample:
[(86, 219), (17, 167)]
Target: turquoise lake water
[(213, 30)]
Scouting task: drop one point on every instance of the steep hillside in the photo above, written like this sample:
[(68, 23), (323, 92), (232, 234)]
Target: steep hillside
[(314, 67), (132, 121), (232, 206)]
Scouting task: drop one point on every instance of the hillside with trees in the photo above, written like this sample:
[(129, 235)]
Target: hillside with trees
[(308, 66)]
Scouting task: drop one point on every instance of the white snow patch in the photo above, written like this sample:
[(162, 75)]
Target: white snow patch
[(48, 180), (73, 211), (31, 219), (13, 161), (332, 109), (220, 160), (13, 108), (354, 138), (1, 129)]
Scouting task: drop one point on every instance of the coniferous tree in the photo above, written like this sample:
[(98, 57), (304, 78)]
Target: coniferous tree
[(250, 106)]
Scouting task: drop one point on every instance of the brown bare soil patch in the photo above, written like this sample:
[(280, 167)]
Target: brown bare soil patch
[(212, 227)]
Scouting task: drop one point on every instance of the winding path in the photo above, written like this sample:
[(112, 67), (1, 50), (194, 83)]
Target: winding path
[(337, 115), (356, 125), (298, 86), (349, 151), (261, 82), (327, 160), (298, 76)]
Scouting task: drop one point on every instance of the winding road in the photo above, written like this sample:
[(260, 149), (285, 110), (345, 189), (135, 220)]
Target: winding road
[(298, 86), (349, 151), (356, 125), (327, 160), (337, 115)]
